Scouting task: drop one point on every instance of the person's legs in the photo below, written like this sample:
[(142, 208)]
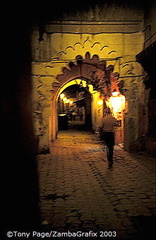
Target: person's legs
[(107, 149), (110, 148), (110, 155), (110, 162)]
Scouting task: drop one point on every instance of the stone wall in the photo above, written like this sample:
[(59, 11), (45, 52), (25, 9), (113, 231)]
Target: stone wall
[(150, 24), (116, 42)]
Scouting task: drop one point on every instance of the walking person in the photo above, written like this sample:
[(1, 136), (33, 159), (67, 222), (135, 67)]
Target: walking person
[(107, 130)]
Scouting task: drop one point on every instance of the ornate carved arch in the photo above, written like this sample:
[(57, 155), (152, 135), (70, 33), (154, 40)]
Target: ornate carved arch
[(93, 71)]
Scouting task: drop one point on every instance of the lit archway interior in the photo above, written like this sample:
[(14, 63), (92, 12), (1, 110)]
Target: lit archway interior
[(95, 105), (74, 104)]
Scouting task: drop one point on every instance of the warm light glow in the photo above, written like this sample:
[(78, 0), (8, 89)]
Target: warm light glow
[(115, 94), (62, 95), (64, 99), (117, 104), (100, 102)]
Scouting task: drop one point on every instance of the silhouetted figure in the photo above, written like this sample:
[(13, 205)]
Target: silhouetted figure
[(107, 129), (74, 116)]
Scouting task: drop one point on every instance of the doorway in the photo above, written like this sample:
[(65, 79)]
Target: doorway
[(81, 92), (74, 107)]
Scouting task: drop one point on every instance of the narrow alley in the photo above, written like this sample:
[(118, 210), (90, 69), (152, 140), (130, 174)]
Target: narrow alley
[(68, 65), (79, 193)]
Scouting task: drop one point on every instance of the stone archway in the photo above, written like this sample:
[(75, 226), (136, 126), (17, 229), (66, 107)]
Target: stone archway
[(91, 70), (76, 97)]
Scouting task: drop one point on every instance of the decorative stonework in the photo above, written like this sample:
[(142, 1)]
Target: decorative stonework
[(94, 71), (102, 61), (85, 45), (90, 27)]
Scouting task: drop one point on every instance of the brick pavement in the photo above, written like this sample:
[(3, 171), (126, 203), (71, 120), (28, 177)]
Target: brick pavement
[(79, 193)]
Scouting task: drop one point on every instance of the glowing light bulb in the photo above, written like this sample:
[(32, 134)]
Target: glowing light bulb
[(100, 102), (62, 95)]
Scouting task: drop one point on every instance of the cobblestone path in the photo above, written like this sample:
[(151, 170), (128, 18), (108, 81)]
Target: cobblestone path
[(79, 193)]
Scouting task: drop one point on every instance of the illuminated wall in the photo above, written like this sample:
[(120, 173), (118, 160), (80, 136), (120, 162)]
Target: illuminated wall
[(116, 42)]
